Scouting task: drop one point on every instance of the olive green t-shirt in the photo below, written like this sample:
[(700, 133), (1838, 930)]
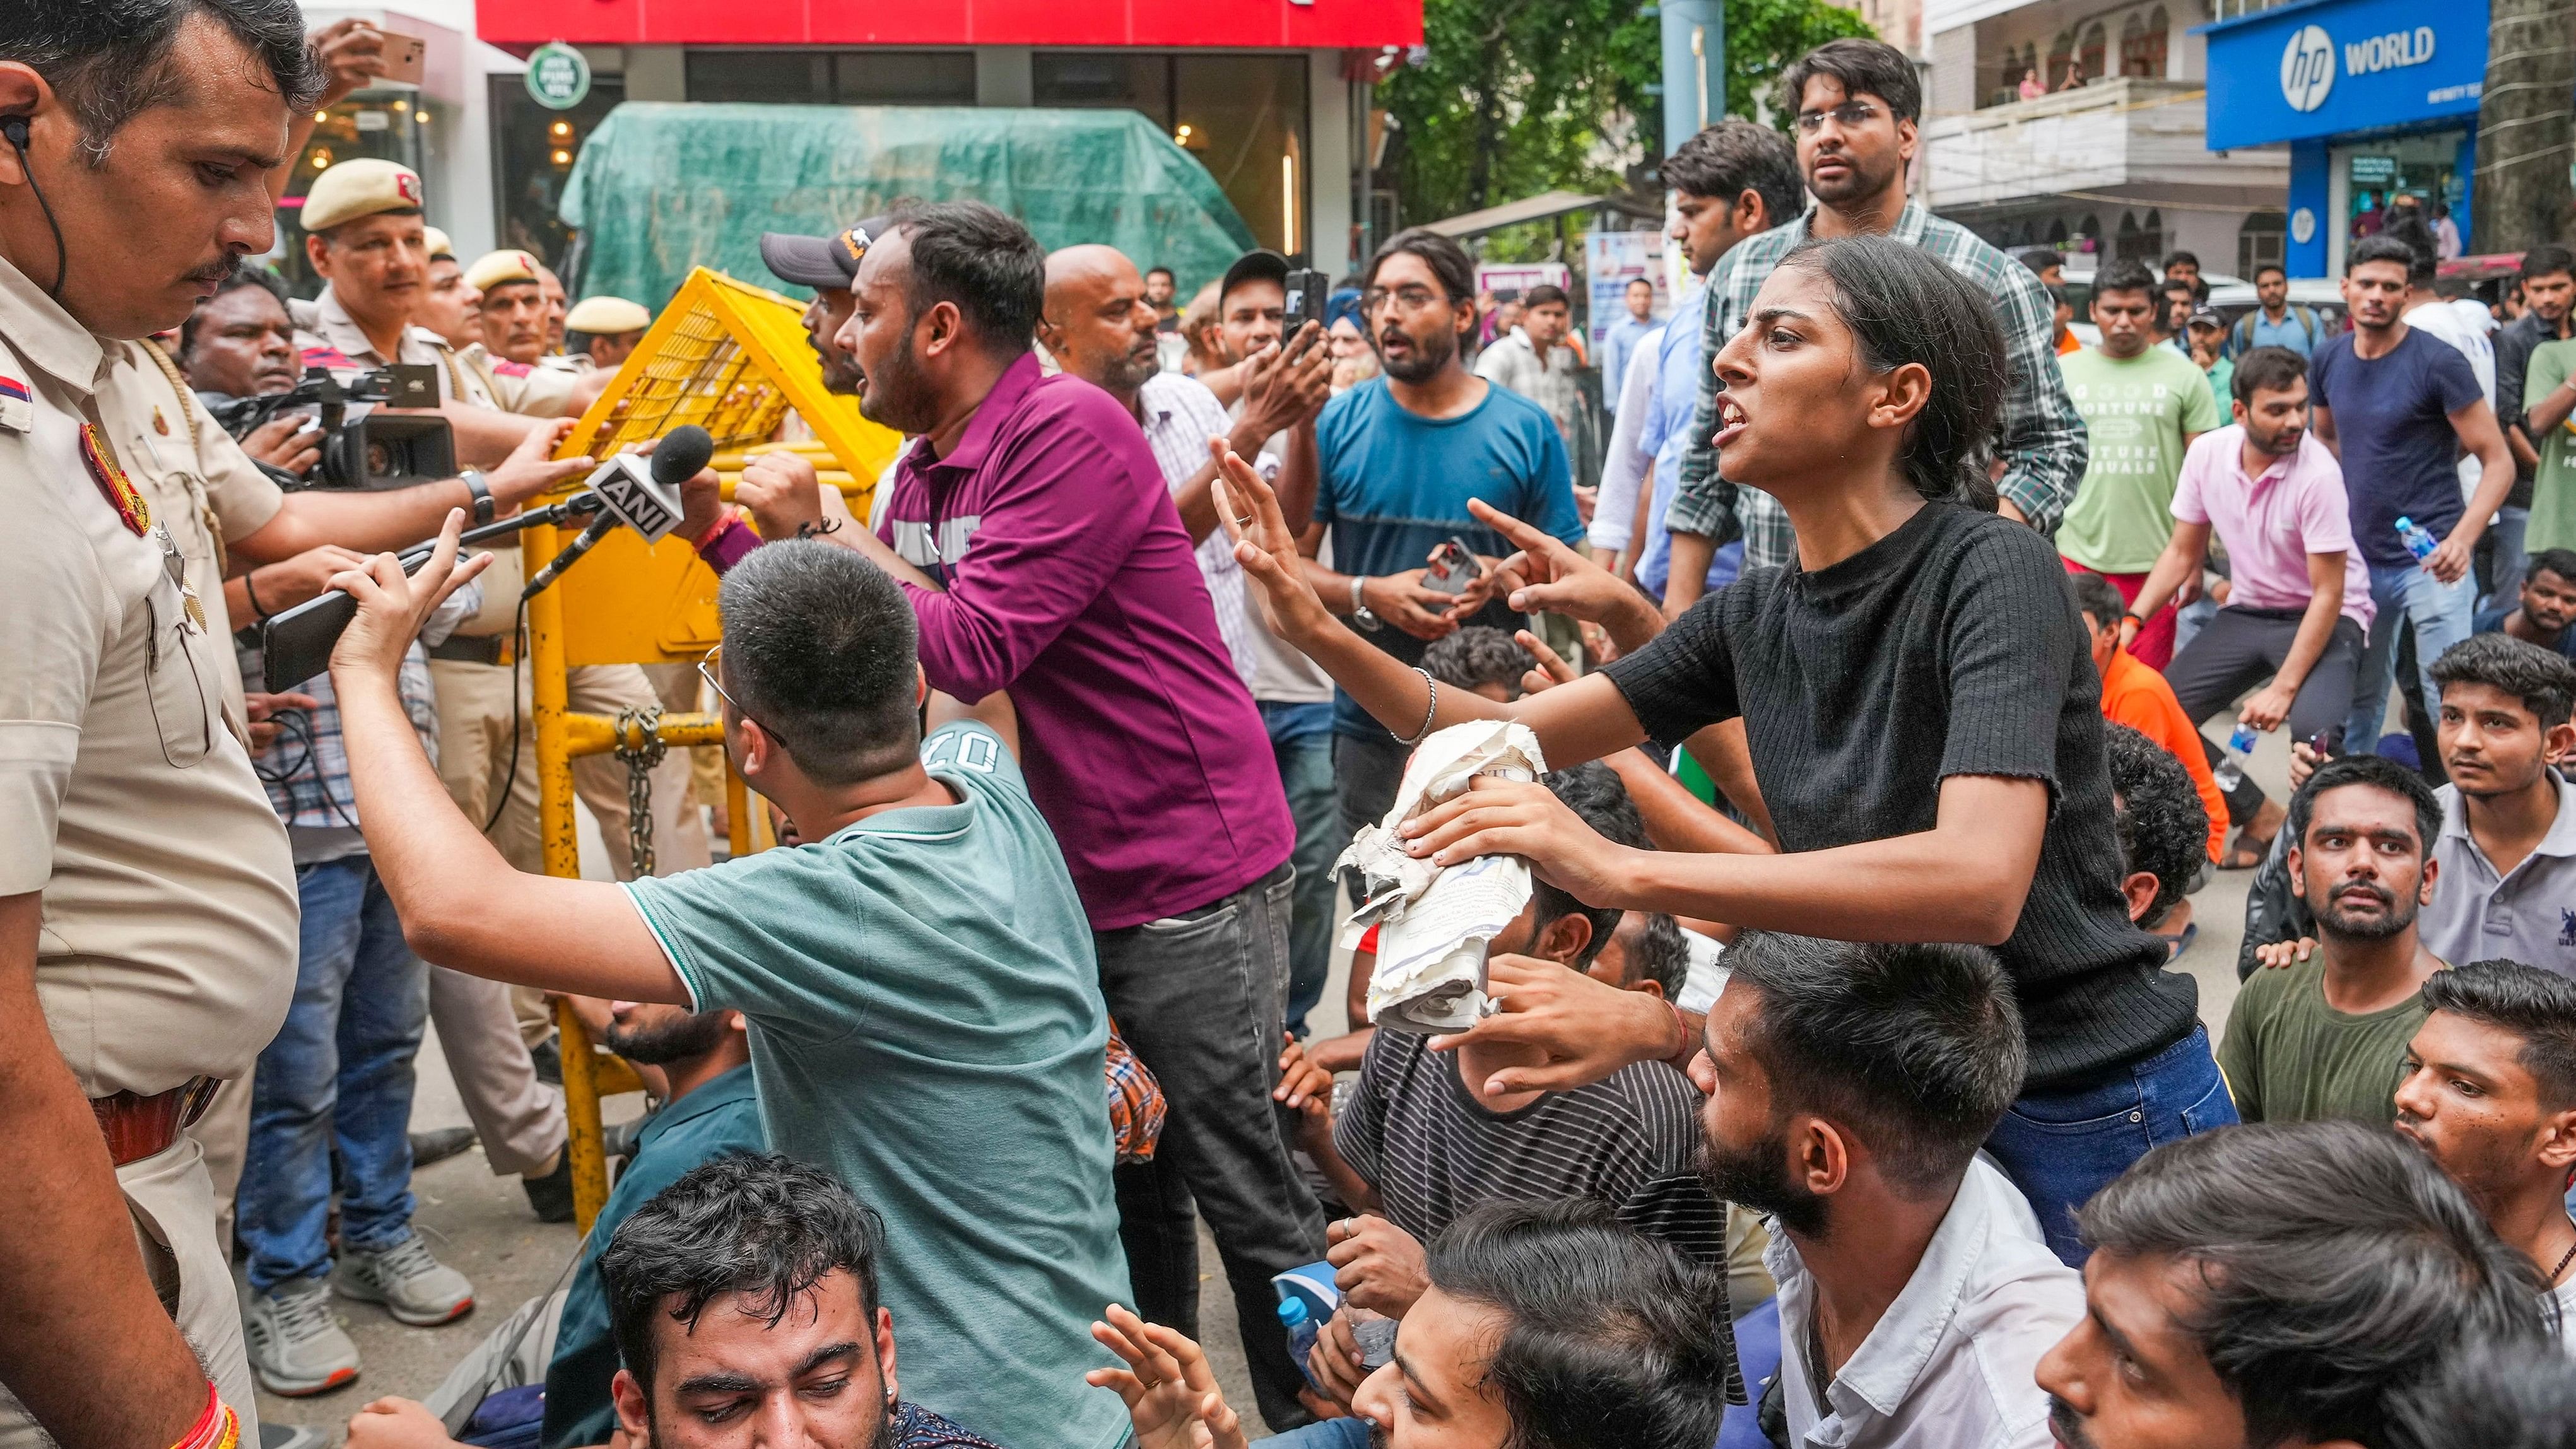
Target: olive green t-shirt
[(2137, 413), (2553, 491), (2289, 1057)]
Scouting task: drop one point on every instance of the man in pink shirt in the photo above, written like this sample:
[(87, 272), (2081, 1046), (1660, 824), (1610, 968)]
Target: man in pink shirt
[(2297, 611)]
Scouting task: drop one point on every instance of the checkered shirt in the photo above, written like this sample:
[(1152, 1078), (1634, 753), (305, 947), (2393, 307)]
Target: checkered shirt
[(1180, 416), (2042, 441)]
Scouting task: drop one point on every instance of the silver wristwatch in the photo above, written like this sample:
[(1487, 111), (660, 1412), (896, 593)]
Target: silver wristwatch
[(1362, 614)]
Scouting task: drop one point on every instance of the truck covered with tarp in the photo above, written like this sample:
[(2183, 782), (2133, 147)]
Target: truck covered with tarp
[(661, 187)]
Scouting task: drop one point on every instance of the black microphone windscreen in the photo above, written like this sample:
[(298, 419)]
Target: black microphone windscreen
[(681, 453)]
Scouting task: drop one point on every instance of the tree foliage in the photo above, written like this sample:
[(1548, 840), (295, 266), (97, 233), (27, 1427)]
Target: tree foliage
[(1518, 96)]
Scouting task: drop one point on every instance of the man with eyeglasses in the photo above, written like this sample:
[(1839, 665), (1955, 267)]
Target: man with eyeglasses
[(1857, 104)]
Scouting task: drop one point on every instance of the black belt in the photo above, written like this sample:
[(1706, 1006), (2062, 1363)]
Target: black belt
[(494, 649)]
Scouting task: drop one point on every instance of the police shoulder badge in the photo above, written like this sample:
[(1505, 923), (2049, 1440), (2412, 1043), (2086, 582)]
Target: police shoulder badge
[(112, 482)]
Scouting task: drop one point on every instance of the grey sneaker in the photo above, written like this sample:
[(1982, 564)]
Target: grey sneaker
[(297, 1346), (413, 1286)]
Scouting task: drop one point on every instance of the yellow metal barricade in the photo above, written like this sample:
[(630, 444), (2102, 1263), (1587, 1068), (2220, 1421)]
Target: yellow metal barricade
[(731, 358)]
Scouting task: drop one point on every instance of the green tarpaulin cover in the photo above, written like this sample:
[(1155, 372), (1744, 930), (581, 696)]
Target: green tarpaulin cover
[(663, 187)]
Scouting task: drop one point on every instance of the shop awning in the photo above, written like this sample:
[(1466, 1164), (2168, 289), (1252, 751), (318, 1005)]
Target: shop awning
[(1546, 206), (1170, 24)]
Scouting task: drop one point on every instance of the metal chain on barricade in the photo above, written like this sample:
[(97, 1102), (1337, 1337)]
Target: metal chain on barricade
[(641, 761)]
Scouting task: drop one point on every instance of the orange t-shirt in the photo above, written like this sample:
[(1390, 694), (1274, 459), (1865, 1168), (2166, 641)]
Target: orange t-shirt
[(2136, 696)]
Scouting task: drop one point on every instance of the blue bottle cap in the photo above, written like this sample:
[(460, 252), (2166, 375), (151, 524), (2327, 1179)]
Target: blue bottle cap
[(1292, 1311)]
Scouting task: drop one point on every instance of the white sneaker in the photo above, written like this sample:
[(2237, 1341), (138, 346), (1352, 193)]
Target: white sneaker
[(413, 1286), (297, 1346)]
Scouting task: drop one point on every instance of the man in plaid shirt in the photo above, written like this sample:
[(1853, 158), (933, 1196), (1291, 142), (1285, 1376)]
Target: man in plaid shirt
[(1857, 102)]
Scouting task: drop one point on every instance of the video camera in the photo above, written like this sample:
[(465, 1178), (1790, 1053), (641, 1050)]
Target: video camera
[(372, 450)]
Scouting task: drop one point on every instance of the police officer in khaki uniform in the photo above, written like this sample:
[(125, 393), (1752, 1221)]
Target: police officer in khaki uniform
[(607, 329), (448, 307), (147, 905), (511, 355)]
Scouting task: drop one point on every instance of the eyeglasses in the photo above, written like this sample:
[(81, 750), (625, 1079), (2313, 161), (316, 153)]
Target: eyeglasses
[(707, 672), (1410, 299), (1850, 115)]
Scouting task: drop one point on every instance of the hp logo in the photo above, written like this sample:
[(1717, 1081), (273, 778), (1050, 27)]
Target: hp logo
[(2307, 69)]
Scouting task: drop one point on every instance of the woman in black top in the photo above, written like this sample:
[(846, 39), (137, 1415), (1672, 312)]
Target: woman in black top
[(1918, 699)]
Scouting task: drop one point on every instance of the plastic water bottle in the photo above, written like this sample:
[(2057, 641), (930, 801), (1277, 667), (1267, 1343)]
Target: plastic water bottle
[(2239, 752), (1302, 1329), (2418, 541)]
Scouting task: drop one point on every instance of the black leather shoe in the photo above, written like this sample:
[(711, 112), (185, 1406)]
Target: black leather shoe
[(439, 1145), (551, 1195)]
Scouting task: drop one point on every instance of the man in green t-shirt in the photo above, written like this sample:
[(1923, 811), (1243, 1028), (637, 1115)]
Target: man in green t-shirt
[(2326, 1036), (925, 1011), (2142, 406), (2548, 397)]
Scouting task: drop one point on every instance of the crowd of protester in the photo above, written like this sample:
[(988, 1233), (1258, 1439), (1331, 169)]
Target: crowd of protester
[(1836, 1087)]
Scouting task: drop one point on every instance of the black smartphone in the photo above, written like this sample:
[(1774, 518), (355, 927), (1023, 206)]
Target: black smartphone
[(1308, 291), (1452, 568), (295, 644)]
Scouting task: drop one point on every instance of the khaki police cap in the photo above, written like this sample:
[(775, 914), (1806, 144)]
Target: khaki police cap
[(363, 187), (607, 316), (437, 244), (500, 269)]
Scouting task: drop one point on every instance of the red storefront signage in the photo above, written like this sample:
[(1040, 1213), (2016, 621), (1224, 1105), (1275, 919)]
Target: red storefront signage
[(1163, 24)]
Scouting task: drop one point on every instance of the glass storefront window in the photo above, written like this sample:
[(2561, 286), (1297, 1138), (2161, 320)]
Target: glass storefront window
[(834, 77), (2425, 167), (1242, 116), (389, 125), (533, 150)]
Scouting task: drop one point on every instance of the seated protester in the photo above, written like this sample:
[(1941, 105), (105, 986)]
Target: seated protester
[(1421, 1141), (2326, 1037), (2162, 829), (923, 953), (2299, 606), (710, 1110), (2137, 698), (1919, 706), (1849, 1088), (2495, 1396), (1481, 660), (1646, 953), (2507, 847), (1543, 1325), (2275, 1285), (2490, 1090), (2544, 610)]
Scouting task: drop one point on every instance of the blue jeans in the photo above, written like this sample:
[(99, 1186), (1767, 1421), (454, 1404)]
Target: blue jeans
[(2442, 615), (2060, 1148), (1301, 740), (2505, 565), (337, 1075)]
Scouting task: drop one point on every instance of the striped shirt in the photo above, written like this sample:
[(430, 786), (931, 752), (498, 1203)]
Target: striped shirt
[(1433, 1152), (2042, 442), (1180, 415)]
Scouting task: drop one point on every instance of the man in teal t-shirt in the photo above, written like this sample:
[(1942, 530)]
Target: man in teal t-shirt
[(2142, 405), (925, 1010)]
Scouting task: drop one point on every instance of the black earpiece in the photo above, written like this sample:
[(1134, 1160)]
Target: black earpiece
[(14, 128)]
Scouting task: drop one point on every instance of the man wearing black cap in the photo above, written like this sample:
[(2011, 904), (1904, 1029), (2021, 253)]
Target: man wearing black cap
[(826, 264)]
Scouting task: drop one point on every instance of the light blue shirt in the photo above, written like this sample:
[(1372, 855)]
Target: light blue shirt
[(2289, 332), (1615, 347), (1667, 436)]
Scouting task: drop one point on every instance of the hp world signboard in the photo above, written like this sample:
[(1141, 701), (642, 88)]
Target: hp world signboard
[(2307, 68)]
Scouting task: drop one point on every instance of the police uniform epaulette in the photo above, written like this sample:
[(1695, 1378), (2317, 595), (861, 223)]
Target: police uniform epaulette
[(329, 357), (507, 368)]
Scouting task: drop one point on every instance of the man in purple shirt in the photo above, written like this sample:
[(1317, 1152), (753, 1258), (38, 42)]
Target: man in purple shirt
[(1030, 527)]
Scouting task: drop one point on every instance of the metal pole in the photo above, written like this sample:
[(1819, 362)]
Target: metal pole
[(1694, 33), (550, 686)]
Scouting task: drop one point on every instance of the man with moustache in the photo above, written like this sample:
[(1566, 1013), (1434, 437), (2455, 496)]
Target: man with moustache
[(1849, 1088), (2544, 604), (2326, 1036), (2490, 1092), (1856, 104), (449, 307)]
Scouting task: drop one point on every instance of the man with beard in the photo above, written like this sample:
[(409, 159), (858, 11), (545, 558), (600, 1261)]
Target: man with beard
[(1856, 104), (2490, 1091), (1401, 456), (2279, 1284), (1849, 1088), (2507, 843), (711, 1110), (2327, 1037), (2544, 605), (2273, 498), (826, 264)]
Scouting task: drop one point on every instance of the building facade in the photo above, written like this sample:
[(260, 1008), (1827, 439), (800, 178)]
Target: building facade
[(2374, 98), (2083, 125)]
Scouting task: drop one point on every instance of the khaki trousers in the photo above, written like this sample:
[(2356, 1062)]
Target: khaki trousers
[(173, 1208)]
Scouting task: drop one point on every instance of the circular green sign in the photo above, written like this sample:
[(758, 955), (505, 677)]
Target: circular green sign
[(558, 76)]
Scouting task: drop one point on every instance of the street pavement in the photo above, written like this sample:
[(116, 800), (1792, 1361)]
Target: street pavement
[(481, 1224)]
